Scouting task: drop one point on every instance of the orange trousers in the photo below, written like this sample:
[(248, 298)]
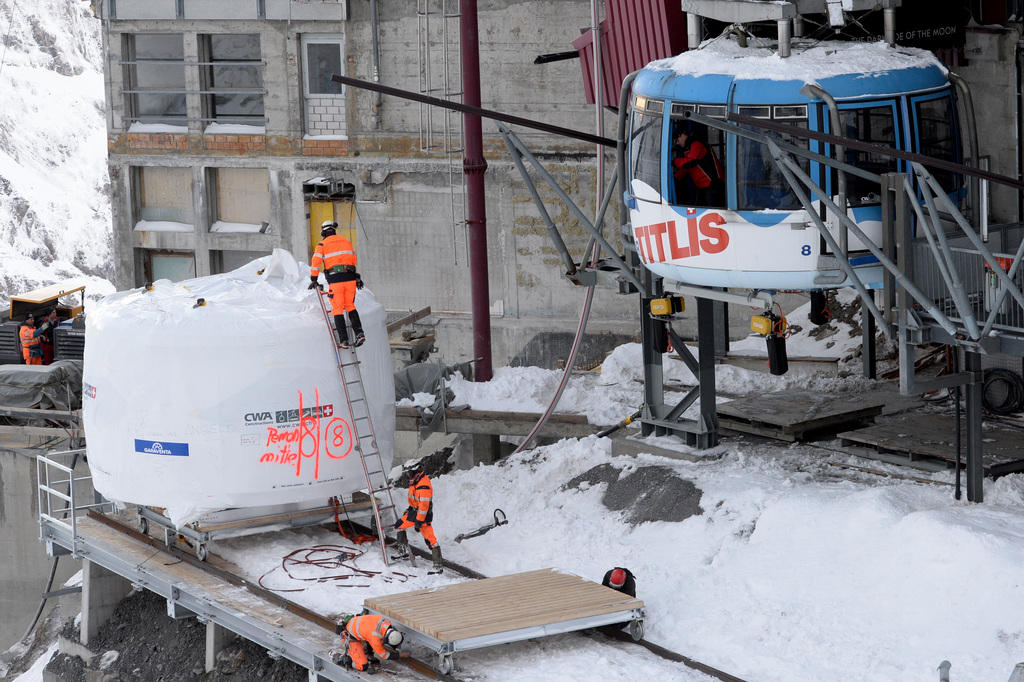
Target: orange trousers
[(426, 530), (343, 296), (360, 652), (33, 361)]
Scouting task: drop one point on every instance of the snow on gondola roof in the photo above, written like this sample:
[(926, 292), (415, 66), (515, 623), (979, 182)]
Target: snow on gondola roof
[(845, 69)]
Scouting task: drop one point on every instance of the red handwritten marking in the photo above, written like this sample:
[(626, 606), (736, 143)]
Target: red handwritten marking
[(314, 435)]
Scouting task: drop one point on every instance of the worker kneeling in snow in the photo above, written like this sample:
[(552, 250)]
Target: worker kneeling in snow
[(368, 635), (337, 257)]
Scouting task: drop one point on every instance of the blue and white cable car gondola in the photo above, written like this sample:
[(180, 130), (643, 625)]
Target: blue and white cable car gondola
[(752, 232)]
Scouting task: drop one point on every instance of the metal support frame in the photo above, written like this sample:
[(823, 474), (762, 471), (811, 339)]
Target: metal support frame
[(445, 649), (183, 600), (975, 389)]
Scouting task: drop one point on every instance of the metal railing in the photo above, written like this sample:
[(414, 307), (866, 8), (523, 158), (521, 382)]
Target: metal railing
[(63, 496)]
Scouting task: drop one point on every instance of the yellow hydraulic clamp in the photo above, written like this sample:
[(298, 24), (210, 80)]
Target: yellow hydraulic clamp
[(669, 305)]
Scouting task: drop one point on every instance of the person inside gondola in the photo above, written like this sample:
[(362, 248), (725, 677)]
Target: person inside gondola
[(697, 172)]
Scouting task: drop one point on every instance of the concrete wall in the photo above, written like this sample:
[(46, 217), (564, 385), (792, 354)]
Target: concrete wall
[(25, 566), (412, 238), (991, 73)]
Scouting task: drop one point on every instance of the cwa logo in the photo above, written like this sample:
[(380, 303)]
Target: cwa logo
[(154, 447), (252, 418)]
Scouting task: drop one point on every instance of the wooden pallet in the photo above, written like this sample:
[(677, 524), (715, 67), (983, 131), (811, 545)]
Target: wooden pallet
[(797, 415), (932, 437), (491, 606)]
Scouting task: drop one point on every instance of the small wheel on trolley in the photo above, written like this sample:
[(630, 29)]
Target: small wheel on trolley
[(445, 664), (143, 525), (201, 552), (636, 629)]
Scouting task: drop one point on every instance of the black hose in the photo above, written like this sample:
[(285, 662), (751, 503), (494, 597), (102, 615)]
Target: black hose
[(42, 602), (1003, 391), (625, 422)]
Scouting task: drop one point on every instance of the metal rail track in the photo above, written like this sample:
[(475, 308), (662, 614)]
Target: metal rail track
[(655, 649), (417, 666), (420, 667)]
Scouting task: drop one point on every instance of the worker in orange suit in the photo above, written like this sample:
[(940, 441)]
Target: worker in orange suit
[(31, 349), (336, 256), (367, 636), (419, 515)]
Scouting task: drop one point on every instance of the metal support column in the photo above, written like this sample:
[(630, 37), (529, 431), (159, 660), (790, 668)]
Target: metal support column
[(708, 435), (474, 165), (975, 388), (651, 331), (721, 327), (869, 353)]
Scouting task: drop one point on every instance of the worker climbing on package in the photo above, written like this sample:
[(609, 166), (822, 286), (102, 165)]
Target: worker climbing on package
[(365, 636), (419, 515), (336, 256)]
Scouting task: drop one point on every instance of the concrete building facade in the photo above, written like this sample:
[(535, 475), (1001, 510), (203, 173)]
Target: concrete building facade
[(227, 139)]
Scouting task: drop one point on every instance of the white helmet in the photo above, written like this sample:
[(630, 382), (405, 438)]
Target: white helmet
[(328, 227), (394, 637)]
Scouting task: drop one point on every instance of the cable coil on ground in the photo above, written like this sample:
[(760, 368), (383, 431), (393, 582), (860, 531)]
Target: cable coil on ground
[(1003, 391)]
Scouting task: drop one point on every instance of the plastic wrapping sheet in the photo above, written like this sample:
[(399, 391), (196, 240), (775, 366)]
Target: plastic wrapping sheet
[(49, 387), (234, 403)]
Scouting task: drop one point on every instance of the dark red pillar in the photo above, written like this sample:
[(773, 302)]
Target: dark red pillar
[(474, 166)]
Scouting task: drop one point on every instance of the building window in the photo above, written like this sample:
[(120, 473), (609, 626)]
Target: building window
[(163, 199), (241, 199), (173, 265), (233, 79), (226, 261), (155, 78), (322, 57)]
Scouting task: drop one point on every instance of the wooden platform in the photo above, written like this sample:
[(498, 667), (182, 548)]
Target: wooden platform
[(933, 437), (489, 607), (797, 415)]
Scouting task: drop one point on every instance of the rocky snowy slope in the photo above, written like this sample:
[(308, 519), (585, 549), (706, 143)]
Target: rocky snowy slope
[(54, 206)]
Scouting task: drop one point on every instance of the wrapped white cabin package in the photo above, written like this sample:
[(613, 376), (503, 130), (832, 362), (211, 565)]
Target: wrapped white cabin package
[(233, 403)]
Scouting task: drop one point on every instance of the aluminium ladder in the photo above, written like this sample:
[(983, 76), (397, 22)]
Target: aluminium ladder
[(365, 440)]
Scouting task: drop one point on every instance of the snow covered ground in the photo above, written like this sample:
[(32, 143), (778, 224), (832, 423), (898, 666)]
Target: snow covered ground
[(794, 569)]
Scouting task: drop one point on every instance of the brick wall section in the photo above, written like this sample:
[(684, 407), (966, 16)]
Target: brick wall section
[(235, 145), (325, 147), (289, 145), (150, 142)]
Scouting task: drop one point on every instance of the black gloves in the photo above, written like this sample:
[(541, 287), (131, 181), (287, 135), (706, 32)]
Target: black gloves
[(359, 281), (313, 283), (398, 523), (416, 526)]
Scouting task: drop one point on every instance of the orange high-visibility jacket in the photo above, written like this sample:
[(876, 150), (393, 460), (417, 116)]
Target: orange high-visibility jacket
[(370, 629), (29, 336), (332, 255), (421, 498)]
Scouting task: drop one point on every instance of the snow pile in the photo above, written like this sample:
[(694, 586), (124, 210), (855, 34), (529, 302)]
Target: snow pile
[(870, 579), (224, 391), (54, 210), (809, 61)]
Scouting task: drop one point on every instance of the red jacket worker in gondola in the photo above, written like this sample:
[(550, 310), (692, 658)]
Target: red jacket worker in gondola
[(697, 171), (367, 635), (336, 256), (418, 516)]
